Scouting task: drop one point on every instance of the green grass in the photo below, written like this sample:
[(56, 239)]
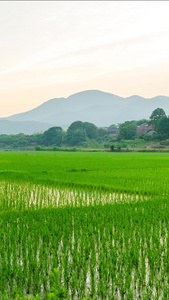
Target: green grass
[(130, 172), (57, 211)]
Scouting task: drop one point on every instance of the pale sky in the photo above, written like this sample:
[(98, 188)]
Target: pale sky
[(52, 49)]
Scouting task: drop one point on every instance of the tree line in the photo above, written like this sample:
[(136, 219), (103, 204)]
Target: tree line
[(85, 134), (158, 120), (78, 134)]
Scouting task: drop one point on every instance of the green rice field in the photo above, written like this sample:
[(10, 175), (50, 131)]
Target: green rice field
[(100, 219)]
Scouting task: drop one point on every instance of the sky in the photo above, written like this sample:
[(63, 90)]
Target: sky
[(52, 49)]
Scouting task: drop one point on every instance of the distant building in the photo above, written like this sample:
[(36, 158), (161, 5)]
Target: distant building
[(113, 131), (145, 128), (140, 130)]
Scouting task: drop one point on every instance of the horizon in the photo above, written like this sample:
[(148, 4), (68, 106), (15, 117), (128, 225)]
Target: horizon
[(50, 50)]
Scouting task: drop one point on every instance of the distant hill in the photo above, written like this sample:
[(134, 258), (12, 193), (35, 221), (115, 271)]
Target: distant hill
[(26, 127), (97, 107)]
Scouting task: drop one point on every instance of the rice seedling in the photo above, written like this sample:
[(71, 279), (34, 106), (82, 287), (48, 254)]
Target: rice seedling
[(107, 239)]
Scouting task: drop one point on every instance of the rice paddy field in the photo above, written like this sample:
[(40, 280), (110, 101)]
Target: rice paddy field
[(100, 219)]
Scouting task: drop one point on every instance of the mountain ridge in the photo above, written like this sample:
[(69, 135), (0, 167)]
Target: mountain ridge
[(95, 106)]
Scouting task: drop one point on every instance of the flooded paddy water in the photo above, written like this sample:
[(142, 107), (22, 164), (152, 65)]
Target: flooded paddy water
[(24, 196), (103, 251)]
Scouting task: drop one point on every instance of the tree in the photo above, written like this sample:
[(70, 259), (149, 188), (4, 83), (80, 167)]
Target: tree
[(76, 133), (52, 136), (91, 130), (76, 126), (113, 126), (139, 122), (127, 130), (155, 117), (163, 125), (102, 132)]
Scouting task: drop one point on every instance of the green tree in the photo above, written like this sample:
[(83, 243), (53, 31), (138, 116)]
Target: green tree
[(76, 133), (52, 136), (139, 122), (102, 132), (127, 130), (163, 125), (113, 126), (155, 117), (91, 130), (76, 126)]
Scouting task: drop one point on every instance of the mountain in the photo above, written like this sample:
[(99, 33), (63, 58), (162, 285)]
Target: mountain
[(27, 127), (97, 107)]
